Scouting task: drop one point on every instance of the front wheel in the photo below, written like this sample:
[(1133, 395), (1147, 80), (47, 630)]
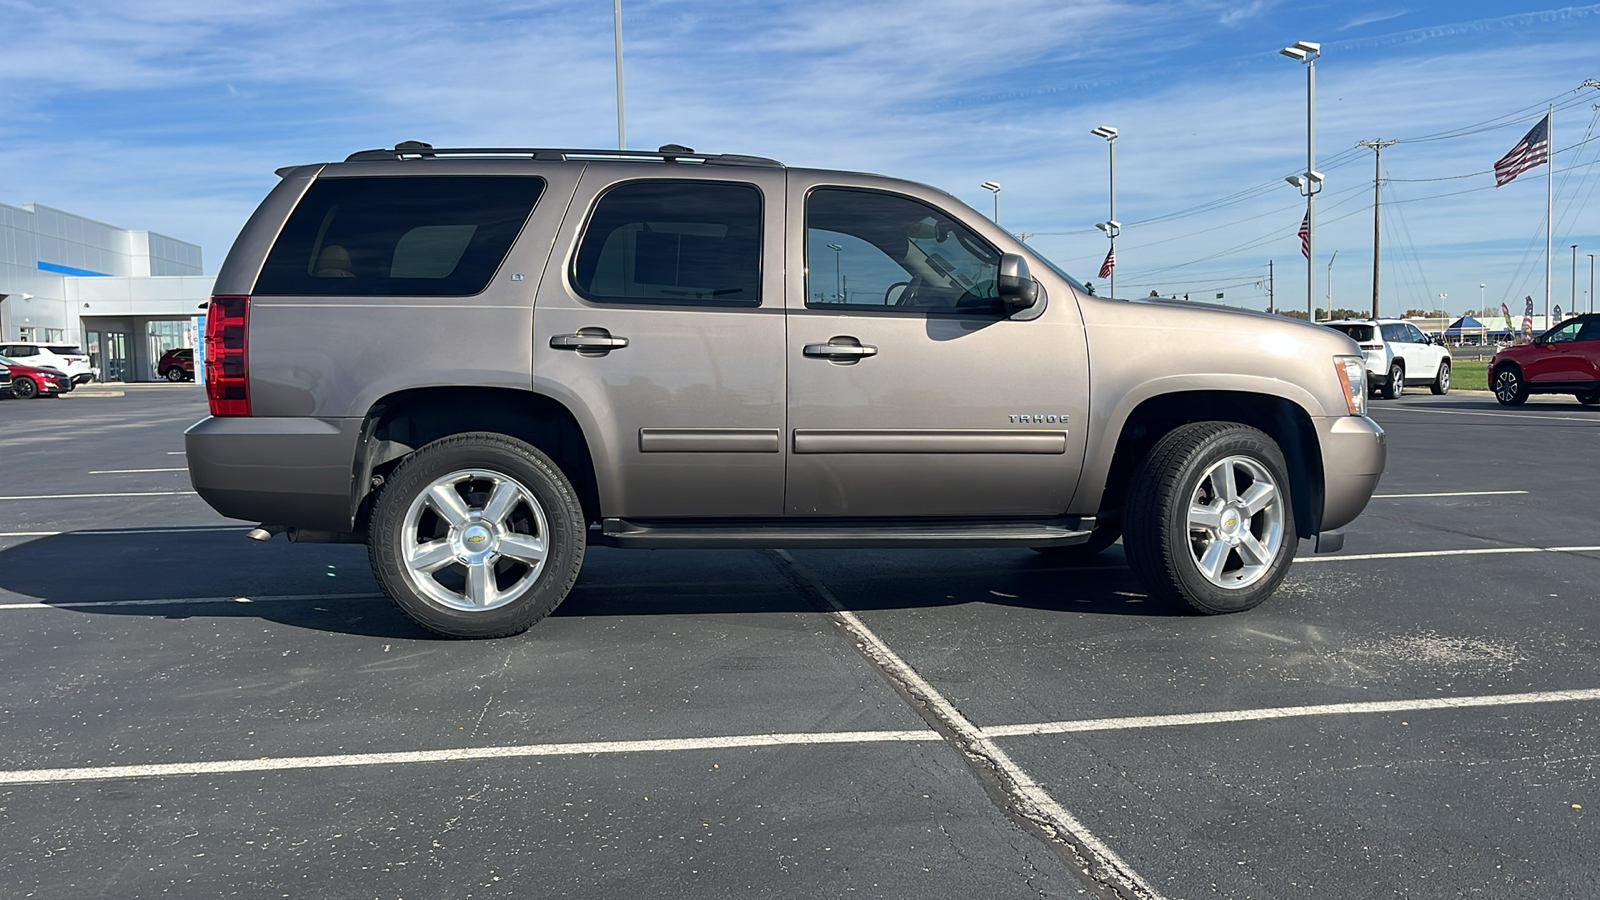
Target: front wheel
[(477, 535), (24, 388), (174, 373), (1209, 518), (1590, 399), (1509, 388), (1441, 384)]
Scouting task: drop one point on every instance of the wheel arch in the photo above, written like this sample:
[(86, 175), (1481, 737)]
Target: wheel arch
[(402, 422), (1280, 418)]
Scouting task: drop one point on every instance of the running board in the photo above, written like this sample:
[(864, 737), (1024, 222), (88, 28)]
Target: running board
[(787, 534)]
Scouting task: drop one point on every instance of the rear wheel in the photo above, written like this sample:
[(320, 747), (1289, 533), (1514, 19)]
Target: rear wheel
[(1397, 382), (1509, 388), (1441, 384), (1590, 399), (1209, 518), (477, 535), (24, 388)]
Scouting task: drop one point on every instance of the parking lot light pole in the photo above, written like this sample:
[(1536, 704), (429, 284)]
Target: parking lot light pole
[(616, 13), (1572, 305), (1591, 282), (1111, 228), (1310, 184), (838, 286), (994, 187)]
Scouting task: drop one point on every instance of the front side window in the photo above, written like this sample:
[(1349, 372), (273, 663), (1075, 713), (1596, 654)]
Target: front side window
[(673, 242), (407, 236), (1567, 332), (877, 251)]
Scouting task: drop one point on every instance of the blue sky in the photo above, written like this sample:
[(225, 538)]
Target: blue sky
[(171, 115)]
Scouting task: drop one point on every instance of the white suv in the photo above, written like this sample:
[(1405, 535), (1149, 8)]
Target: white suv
[(68, 358), (1398, 354)]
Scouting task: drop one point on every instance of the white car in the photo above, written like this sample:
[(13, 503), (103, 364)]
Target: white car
[(68, 358), (1398, 354)]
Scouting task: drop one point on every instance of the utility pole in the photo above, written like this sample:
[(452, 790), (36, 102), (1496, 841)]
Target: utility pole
[(1377, 180), (1272, 305), (1330, 282)]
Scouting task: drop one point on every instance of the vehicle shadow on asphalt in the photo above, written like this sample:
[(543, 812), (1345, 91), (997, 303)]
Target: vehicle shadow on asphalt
[(130, 573)]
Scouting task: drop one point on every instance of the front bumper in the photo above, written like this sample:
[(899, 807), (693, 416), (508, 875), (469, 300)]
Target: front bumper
[(296, 472), (1354, 451)]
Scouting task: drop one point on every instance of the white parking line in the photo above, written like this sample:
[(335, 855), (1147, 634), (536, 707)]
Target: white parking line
[(83, 496), (136, 471), (1498, 415), (185, 601), (230, 766), (1030, 798), (1440, 494), (1288, 712), (1477, 551)]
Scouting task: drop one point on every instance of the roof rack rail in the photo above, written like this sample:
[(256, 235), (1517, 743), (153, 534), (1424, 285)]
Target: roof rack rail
[(668, 153)]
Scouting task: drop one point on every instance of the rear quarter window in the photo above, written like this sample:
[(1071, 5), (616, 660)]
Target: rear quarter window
[(405, 236)]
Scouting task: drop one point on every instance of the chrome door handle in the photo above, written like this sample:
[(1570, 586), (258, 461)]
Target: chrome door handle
[(598, 341), (837, 349)]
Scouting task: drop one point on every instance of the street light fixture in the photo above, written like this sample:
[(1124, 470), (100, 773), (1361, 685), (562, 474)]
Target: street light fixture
[(1310, 183), (1111, 226), (838, 283), (995, 188)]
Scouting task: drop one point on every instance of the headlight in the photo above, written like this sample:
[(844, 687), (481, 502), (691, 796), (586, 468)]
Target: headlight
[(1353, 378)]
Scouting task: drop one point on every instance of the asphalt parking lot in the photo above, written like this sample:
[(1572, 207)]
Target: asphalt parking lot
[(187, 713)]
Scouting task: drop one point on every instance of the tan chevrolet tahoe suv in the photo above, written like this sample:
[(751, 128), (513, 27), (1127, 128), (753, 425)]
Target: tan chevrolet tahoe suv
[(478, 362)]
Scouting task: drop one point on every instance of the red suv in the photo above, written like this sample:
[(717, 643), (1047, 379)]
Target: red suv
[(177, 365), (1563, 360)]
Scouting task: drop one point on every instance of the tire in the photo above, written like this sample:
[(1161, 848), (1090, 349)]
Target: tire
[(505, 587), (1441, 383), (1106, 532), (1590, 399), (1397, 382), (1508, 386), (1211, 567), (174, 373), (24, 388)]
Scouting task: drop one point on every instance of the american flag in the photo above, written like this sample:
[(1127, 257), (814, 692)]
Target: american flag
[(1109, 264), (1305, 235), (1532, 150)]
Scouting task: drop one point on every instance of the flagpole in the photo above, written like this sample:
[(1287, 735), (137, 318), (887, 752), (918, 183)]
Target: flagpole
[(1549, 202)]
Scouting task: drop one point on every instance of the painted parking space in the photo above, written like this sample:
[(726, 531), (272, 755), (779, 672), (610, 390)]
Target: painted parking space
[(253, 670)]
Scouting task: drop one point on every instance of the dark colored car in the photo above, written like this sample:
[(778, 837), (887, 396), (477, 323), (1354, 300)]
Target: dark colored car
[(177, 365), (1563, 360), (28, 382)]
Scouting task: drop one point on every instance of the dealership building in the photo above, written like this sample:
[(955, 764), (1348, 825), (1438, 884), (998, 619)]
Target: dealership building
[(126, 297)]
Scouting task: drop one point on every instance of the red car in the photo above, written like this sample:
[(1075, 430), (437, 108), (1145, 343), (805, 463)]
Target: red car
[(28, 382), (177, 365), (1563, 360)]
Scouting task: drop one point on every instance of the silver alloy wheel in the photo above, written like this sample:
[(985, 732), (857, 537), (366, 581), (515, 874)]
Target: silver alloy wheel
[(1236, 521), (487, 542), (1506, 385), (1444, 378)]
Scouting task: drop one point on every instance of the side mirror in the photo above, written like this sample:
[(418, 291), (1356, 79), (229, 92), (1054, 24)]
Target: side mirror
[(1018, 291)]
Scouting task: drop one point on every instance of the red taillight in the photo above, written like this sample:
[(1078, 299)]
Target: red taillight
[(227, 356)]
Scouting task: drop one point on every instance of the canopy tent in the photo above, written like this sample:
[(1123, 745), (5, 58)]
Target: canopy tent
[(1465, 325)]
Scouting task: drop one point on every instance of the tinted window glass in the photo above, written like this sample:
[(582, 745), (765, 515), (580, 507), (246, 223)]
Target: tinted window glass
[(870, 250), (18, 351), (1392, 332), (1358, 333), (65, 350), (673, 242), (1590, 330), (438, 236)]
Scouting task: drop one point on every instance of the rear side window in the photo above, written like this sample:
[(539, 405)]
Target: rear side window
[(693, 242), (410, 236)]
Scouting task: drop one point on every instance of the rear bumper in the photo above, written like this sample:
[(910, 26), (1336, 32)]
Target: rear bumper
[(1354, 451), (295, 472)]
